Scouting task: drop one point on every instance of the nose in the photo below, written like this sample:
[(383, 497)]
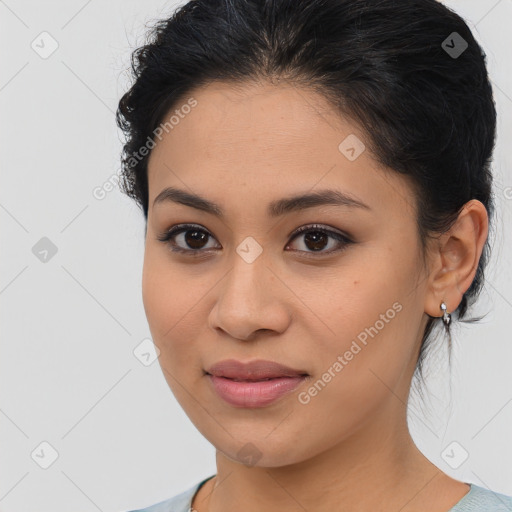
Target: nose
[(251, 298)]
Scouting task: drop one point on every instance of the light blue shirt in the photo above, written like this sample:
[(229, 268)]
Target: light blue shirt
[(478, 499)]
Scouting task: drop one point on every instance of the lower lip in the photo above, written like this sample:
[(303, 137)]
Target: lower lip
[(254, 394)]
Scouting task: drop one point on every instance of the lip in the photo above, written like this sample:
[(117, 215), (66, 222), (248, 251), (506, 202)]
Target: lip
[(253, 394), (249, 390), (252, 370)]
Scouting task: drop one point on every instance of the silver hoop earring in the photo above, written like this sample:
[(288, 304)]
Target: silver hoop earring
[(446, 316)]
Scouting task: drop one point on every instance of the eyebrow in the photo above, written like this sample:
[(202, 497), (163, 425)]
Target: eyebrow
[(276, 208)]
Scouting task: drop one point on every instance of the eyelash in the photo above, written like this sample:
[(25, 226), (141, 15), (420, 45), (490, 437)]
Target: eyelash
[(168, 235)]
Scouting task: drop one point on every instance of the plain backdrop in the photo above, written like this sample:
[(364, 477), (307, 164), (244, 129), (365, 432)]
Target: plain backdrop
[(74, 395)]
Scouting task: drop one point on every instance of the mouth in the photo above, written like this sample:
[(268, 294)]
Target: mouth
[(254, 393), (253, 384), (253, 371)]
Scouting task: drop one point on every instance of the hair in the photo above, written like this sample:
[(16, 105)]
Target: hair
[(426, 114)]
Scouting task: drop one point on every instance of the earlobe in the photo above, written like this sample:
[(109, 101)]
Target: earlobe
[(456, 259)]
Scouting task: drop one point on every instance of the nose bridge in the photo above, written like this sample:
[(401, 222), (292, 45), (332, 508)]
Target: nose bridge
[(247, 301), (244, 284)]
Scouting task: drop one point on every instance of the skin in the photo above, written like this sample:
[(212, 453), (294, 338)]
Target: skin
[(350, 446)]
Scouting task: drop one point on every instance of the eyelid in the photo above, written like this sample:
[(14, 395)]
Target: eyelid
[(320, 227)]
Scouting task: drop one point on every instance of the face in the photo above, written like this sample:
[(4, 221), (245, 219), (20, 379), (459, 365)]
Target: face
[(343, 301)]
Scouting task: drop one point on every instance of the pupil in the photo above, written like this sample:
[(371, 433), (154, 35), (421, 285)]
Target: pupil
[(316, 237), (195, 239)]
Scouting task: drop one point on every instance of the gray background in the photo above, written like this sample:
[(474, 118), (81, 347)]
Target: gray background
[(70, 324)]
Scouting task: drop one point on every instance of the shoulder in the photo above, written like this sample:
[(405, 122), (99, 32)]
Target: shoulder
[(478, 499), (180, 503)]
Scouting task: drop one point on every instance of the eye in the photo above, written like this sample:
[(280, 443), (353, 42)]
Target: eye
[(316, 238), (192, 235), (194, 239)]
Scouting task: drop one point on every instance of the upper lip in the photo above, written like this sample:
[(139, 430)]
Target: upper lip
[(252, 370)]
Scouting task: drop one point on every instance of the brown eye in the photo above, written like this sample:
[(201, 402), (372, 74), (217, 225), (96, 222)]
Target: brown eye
[(316, 239), (196, 239), (186, 238)]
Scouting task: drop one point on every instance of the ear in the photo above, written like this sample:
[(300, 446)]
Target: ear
[(454, 257)]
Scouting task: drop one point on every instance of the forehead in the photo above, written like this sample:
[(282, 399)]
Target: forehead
[(264, 140)]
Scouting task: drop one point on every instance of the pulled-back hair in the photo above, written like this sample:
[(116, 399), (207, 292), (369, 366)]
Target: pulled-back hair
[(421, 97)]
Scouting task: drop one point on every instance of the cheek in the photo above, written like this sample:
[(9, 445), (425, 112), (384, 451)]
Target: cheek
[(172, 303), (157, 301), (369, 312), (163, 313), (165, 297)]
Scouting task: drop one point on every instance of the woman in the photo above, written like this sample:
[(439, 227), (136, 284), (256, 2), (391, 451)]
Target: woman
[(315, 179)]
